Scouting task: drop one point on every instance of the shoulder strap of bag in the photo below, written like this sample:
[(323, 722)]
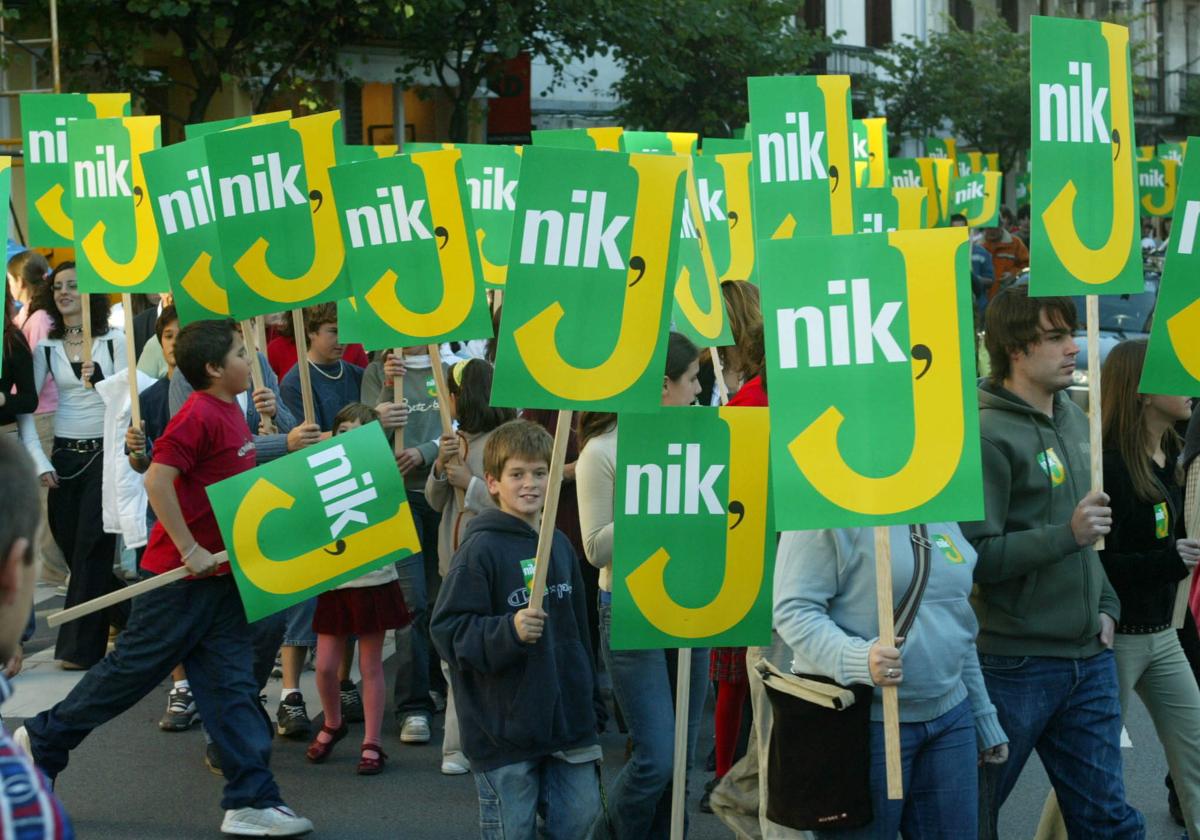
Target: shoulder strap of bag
[(906, 610)]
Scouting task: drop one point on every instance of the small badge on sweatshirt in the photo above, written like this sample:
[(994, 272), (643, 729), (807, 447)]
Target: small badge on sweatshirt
[(948, 548), (431, 387), (1051, 466), (1162, 520), (528, 567)]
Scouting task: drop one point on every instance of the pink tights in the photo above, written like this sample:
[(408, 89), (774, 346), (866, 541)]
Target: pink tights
[(370, 664)]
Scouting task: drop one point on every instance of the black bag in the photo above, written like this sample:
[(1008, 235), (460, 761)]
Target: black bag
[(819, 759)]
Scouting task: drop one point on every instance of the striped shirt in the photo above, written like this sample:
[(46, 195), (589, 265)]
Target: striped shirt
[(29, 810)]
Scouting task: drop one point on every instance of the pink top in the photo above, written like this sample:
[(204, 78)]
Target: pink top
[(36, 327)]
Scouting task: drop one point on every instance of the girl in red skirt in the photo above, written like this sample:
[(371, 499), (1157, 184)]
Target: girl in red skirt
[(367, 608)]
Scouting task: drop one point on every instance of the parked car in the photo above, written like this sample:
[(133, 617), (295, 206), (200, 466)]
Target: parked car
[(1122, 317)]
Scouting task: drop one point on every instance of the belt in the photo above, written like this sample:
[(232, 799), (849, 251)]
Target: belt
[(85, 445), (1142, 629)]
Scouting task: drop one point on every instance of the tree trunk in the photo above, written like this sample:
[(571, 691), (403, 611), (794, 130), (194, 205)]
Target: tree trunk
[(460, 117)]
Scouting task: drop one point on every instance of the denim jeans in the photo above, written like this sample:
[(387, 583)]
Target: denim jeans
[(567, 796), (413, 651), (938, 759), (1068, 710), (639, 801), (202, 624), (298, 631)]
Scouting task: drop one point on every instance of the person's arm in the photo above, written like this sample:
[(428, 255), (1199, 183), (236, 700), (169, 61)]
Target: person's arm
[(25, 425), (988, 732), (595, 477), (160, 488), (24, 399), (806, 582), (1022, 254), (437, 490), (1006, 555), (465, 631), (289, 395), (284, 419)]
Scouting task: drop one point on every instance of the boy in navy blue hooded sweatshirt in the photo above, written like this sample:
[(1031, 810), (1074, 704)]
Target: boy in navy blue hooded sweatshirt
[(522, 677)]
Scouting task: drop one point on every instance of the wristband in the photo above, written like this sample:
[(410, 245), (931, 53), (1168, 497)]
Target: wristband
[(183, 557)]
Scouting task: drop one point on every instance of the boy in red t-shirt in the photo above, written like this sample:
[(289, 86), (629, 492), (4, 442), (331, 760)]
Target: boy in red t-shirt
[(198, 621)]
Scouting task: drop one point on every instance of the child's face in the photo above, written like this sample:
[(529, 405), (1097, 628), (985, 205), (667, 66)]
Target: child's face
[(346, 426), (170, 331), (521, 488), (233, 376), (323, 346)]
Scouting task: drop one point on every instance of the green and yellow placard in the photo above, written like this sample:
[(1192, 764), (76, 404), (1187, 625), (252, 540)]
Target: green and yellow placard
[(664, 142), (1084, 219), (195, 130), (1173, 357), (410, 251), (699, 311), (881, 319), (1158, 180), (693, 537), (975, 162), (44, 121), (925, 173), (312, 520), (723, 190), (884, 209), (591, 273), (802, 171), (492, 173), (978, 198), (116, 241), (906, 172), (942, 148), (281, 242), (870, 152), (712, 146), (1172, 151), (599, 139)]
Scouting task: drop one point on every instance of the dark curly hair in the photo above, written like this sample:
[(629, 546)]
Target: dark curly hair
[(45, 300)]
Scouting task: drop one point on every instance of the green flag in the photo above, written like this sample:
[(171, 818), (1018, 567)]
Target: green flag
[(281, 243), (803, 176), (594, 252), (1157, 183), (712, 146), (874, 416), (411, 256), (191, 132), (1173, 358), (664, 142), (978, 198), (116, 241), (693, 539), (1084, 234), (602, 139), (723, 188), (44, 121), (312, 520)]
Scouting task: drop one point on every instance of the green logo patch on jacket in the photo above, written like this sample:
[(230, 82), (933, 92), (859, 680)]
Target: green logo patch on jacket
[(1051, 466)]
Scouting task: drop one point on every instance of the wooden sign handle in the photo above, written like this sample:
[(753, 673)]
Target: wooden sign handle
[(887, 638), (119, 595), (306, 392), (683, 694), (135, 406), (85, 306), (719, 370), (439, 382), (398, 397), (250, 339), (562, 434), (1095, 427)]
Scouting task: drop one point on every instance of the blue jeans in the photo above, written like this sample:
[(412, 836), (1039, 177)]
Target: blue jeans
[(510, 798), (639, 801), (298, 631), (411, 691), (1068, 710), (202, 624), (938, 758)]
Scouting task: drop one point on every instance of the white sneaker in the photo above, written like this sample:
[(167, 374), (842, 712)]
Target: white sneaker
[(280, 821), (415, 730), (21, 739), (450, 767)]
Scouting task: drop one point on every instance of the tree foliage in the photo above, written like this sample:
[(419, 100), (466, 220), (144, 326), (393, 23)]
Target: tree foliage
[(686, 62)]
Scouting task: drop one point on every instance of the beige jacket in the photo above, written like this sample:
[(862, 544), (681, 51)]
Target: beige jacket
[(442, 497)]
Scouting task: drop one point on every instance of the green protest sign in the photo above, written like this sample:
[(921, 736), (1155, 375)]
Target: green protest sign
[(800, 135), (1172, 151), (973, 162), (699, 311), (978, 198), (312, 520), (602, 139), (945, 148), (1173, 358), (882, 319), (5, 193), (905, 172), (711, 146), (492, 173), (116, 242), (593, 261), (414, 147), (870, 152), (663, 142), (890, 208), (180, 190), (412, 259), (281, 242), (1084, 235), (1021, 190), (191, 132), (44, 121), (1158, 180), (723, 190), (693, 537), (923, 173)]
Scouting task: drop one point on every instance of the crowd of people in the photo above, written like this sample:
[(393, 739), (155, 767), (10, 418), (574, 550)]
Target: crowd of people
[(1017, 634)]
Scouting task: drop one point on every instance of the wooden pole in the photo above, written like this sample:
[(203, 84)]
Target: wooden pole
[(85, 308), (135, 407), (306, 392), (1191, 520), (719, 370), (562, 434), (887, 638), (250, 339), (398, 397), (260, 333), (683, 691), (119, 595), (1096, 436)]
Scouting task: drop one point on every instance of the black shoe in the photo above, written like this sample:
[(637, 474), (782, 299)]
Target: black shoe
[(292, 717), (212, 760), (1174, 808), (352, 707), (181, 711)]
